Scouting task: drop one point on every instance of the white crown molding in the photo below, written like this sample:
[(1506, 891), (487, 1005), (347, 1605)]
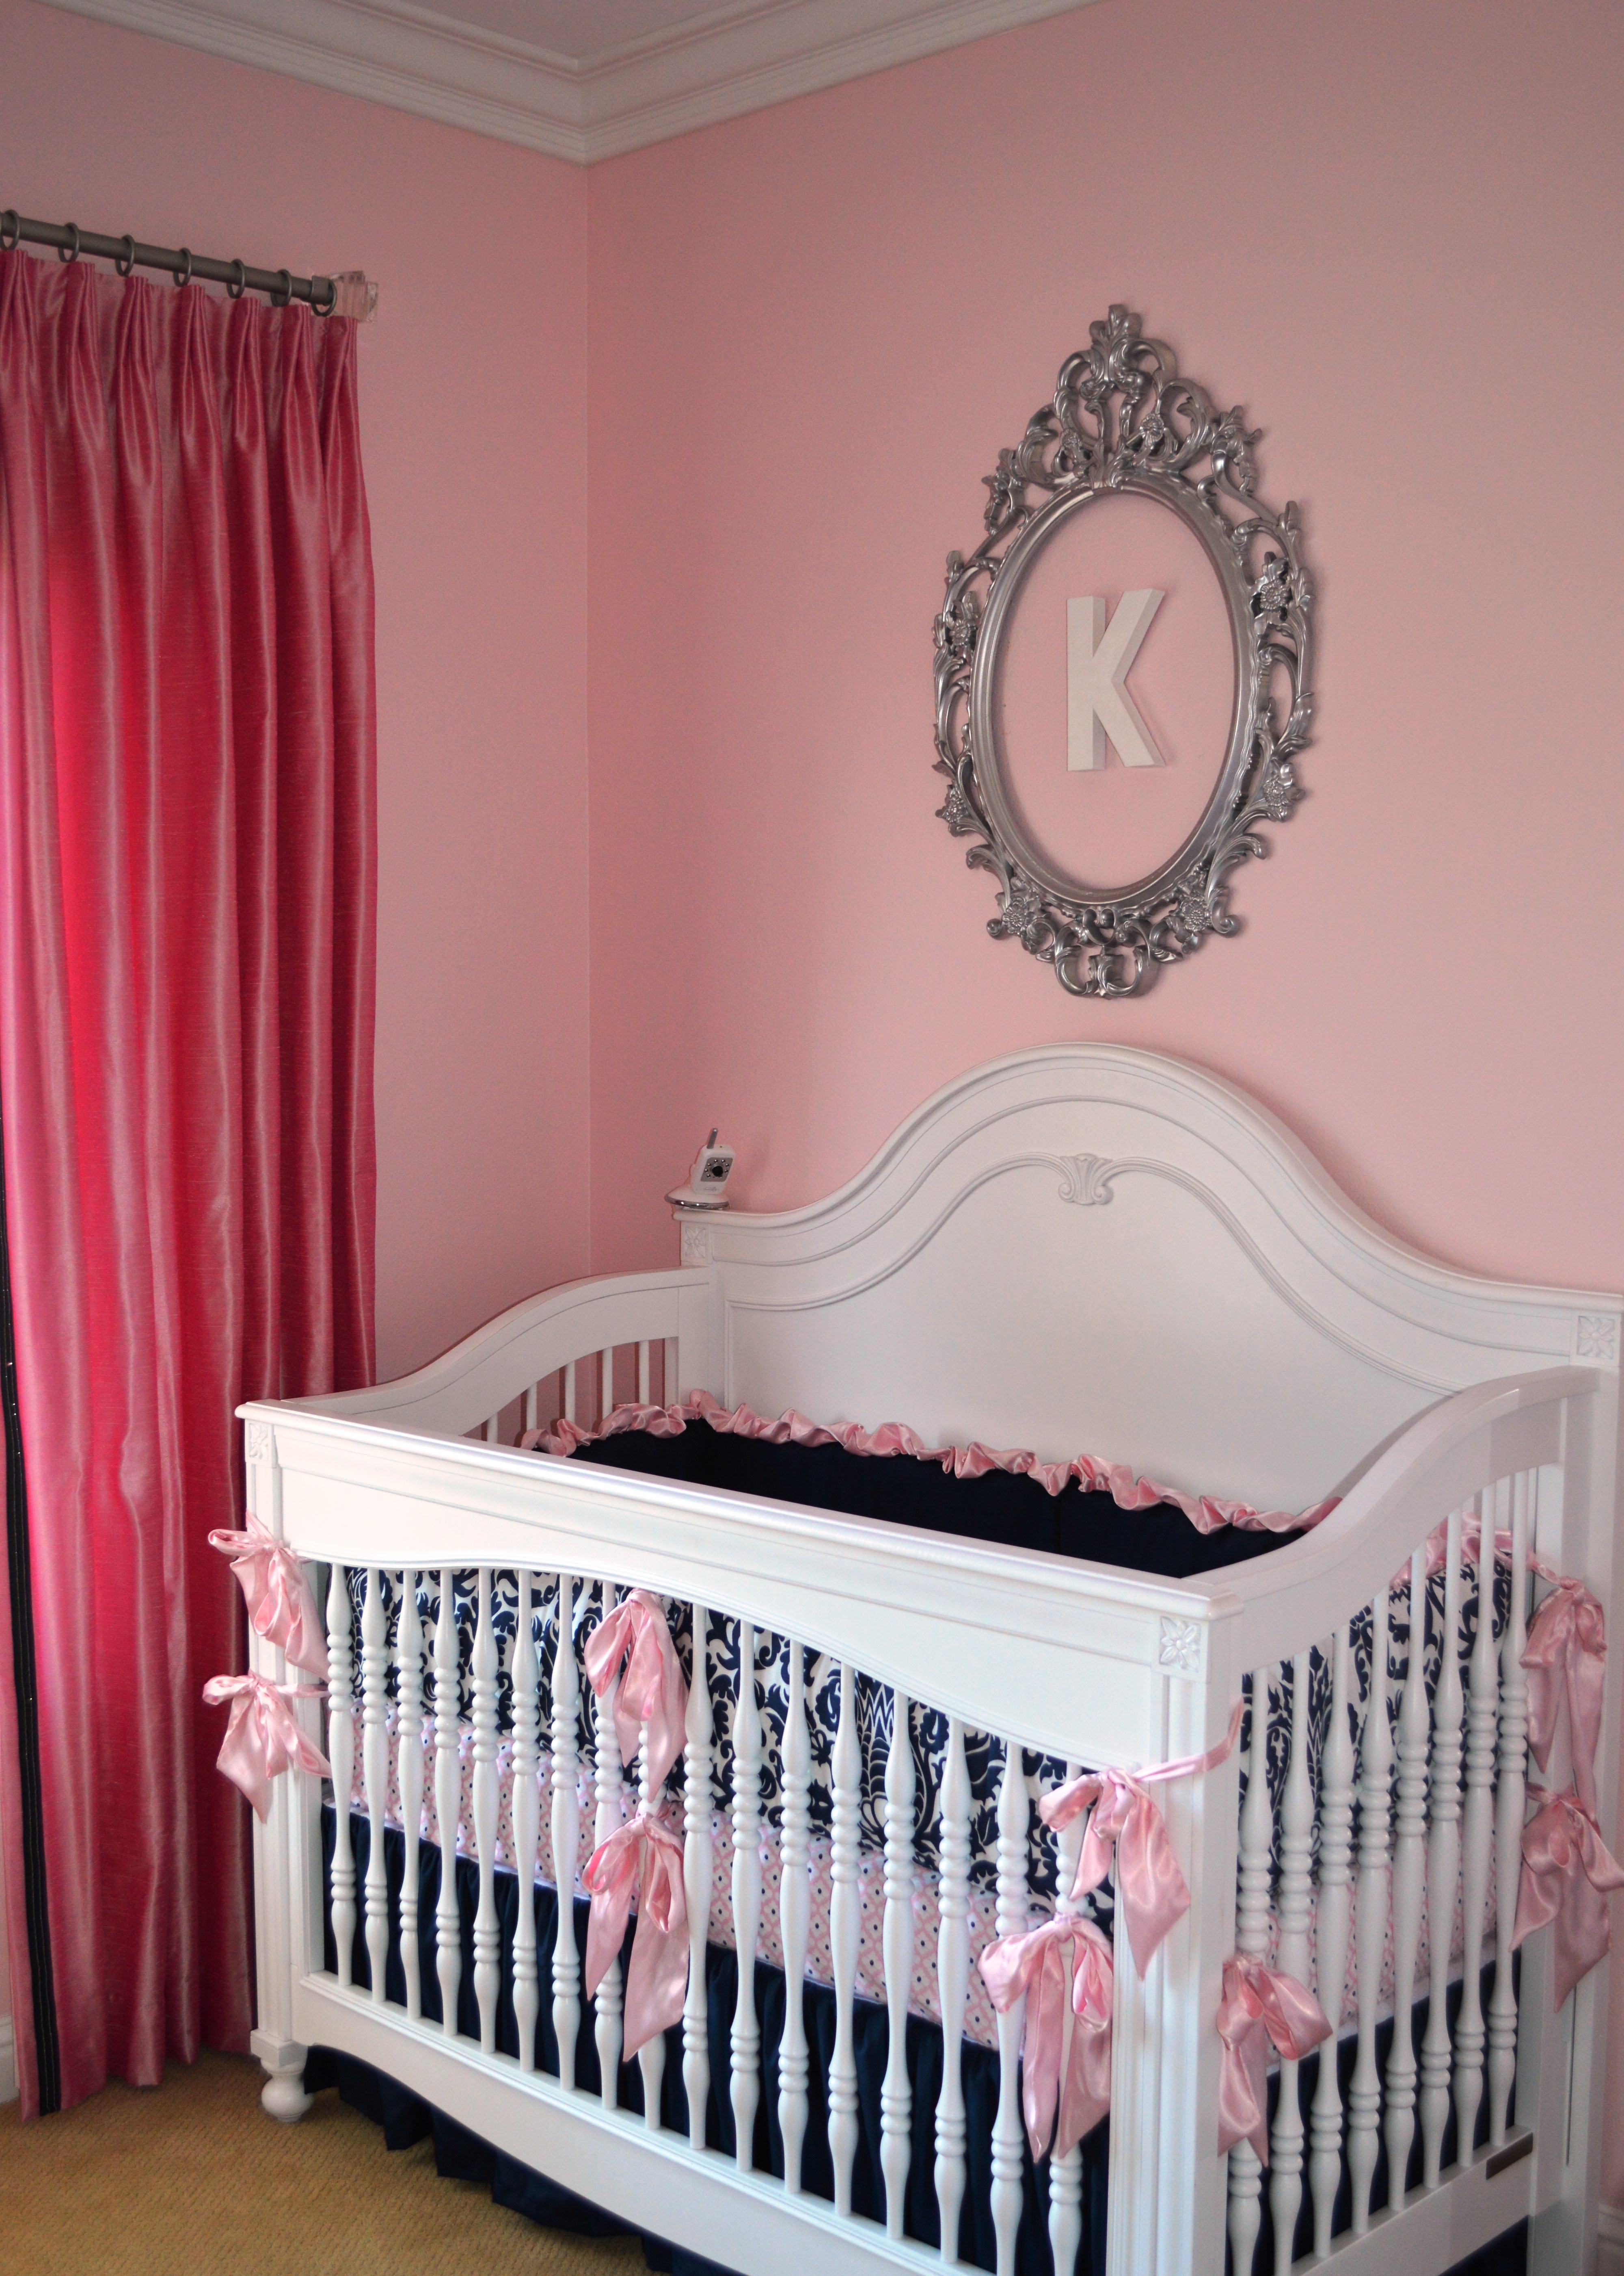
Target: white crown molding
[(733, 59), (402, 57), (723, 65)]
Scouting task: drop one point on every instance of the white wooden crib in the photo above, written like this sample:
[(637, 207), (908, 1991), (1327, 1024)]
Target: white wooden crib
[(1074, 1249)]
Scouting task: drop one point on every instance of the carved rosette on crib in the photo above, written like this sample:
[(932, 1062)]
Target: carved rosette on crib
[(1123, 421)]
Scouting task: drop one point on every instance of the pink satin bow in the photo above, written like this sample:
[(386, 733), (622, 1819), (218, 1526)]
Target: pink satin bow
[(1567, 1659), (281, 1607), (1151, 1888), (651, 1691), (263, 1738), (1568, 1875), (1259, 2005), (645, 1856), (1034, 1964)]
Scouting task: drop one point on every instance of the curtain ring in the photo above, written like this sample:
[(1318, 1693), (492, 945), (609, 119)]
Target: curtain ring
[(69, 252), (10, 229), (282, 291), (326, 307), (237, 283), (183, 275), (126, 261)]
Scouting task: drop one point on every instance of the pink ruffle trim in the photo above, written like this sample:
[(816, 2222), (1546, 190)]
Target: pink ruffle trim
[(1204, 1513)]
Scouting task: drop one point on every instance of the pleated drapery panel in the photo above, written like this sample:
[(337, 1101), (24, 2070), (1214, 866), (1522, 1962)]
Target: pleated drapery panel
[(187, 927)]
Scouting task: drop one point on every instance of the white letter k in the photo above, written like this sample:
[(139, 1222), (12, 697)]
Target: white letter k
[(1098, 662)]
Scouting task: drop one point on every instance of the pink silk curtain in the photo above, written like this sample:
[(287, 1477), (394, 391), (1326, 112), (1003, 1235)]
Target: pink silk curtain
[(187, 899)]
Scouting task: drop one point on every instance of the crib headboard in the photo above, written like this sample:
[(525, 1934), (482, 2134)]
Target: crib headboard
[(1085, 1248)]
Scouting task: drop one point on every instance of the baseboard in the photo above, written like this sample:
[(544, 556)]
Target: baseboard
[(1610, 2242), (8, 2061)]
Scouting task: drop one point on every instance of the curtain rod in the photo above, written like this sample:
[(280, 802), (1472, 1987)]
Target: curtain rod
[(125, 254)]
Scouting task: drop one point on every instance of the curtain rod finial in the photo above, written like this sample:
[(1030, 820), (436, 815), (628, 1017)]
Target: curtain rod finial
[(355, 294)]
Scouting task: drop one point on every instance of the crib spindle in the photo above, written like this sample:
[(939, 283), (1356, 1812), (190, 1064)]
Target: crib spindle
[(1252, 1942), (409, 1730), (525, 1674), (645, 1374), (952, 1976), (651, 2054), (1296, 1849), (1443, 1867), (696, 1867), (447, 1806), (1330, 1936), (1364, 2093), (341, 1755), (1510, 1805), (896, 2094), (606, 1383), (570, 1415), (745, 2085), (610, 1785), (1476, 1833), (487, 1928), (531, 1406), (375, 1769), (1066, 2173), (794, 1904), (1009, 2126), (566, 1831), (846, 1767), (1408, 1850)]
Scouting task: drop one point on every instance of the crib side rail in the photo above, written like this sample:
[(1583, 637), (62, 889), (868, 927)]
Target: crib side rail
[(1385, 1783), (1562, 1420), (576, 1350)]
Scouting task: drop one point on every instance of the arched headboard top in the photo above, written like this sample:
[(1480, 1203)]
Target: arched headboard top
[(1085, 1248)]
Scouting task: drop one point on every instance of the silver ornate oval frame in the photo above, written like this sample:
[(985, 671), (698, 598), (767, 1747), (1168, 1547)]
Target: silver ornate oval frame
[(1122, 422)]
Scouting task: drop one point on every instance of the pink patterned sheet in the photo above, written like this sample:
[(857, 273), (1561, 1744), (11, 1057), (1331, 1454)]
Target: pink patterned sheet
[(923, 2000)]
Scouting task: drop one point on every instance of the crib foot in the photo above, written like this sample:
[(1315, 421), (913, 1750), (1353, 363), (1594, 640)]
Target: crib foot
[(283, 2094)]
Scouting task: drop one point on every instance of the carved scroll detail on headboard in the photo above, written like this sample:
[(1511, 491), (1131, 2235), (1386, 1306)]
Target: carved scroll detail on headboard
[(1087, 1177)]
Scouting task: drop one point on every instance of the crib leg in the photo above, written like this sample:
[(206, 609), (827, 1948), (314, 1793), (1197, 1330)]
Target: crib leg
[(283, 2094)]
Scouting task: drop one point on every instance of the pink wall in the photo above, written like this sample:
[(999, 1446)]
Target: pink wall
[(473, 402), (1390, 232), (1387, 230)]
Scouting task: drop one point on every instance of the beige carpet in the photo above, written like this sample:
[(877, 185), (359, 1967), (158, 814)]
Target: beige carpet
[(193, 2176)]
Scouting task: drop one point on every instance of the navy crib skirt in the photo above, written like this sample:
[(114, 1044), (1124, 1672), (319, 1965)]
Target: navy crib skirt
[(529, 2192), (407, 2118)]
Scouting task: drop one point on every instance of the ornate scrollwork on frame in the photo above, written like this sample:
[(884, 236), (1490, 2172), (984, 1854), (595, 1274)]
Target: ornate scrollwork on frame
[(1122, 422)]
